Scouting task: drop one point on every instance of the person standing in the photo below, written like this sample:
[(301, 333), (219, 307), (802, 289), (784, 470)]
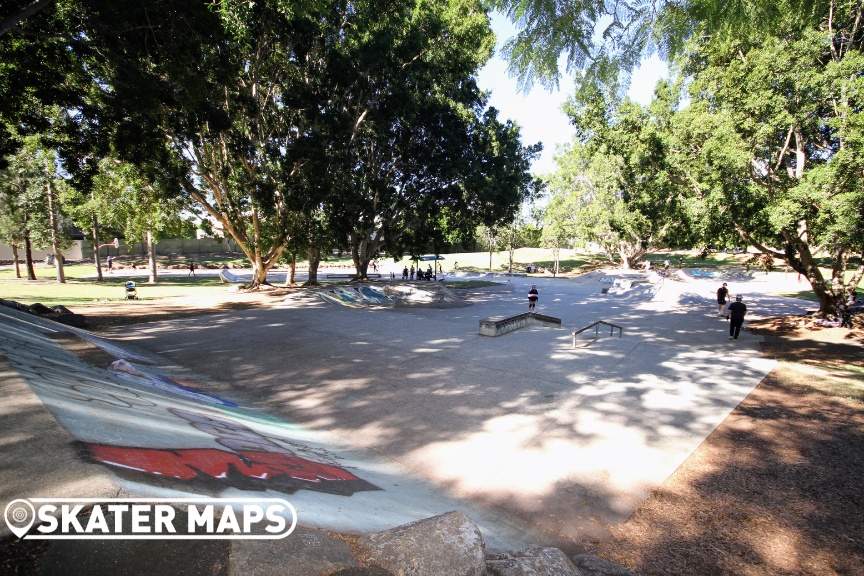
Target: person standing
[(533, 296), (722, 294), (405, 273), (737, 310), (110, 263), (411, 276)]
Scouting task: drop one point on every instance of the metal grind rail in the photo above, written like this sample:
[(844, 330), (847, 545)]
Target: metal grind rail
[(596, 326)]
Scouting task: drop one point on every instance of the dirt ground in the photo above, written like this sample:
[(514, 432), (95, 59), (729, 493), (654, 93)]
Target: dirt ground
[(774, 490)]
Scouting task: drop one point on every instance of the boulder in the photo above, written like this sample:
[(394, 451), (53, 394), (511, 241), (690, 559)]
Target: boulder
[(305, 551), (531, 562), (449, 544), (70, 319), (39, 308)]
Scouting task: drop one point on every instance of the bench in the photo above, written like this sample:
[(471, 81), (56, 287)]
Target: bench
[(596, 326), (498, 325)]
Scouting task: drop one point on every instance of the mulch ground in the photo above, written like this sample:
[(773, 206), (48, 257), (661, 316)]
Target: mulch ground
[(776, 489)]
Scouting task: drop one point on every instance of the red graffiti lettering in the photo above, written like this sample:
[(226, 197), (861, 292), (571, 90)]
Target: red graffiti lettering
[(190, 464)]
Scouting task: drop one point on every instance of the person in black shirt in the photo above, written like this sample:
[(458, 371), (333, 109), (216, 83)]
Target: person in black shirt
[(533, 296), (722, 294), (737, 310)]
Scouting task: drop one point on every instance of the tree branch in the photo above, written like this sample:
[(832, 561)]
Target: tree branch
[(12, 21)]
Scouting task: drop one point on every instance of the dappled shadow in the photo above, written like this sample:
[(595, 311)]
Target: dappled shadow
[(522, 422)]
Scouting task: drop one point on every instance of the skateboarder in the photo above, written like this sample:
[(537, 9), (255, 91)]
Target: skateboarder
[(533, 296)]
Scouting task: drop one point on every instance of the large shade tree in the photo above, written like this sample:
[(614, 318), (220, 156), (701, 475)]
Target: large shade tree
[(768, 149), (773, 144), (424, 155)]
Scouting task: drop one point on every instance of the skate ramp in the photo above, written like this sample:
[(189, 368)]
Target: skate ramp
[(357, 297)]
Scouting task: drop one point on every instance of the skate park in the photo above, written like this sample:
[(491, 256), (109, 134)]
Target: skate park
[(404, 412)]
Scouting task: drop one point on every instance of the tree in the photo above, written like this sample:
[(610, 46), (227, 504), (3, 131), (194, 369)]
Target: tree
[(511, 237), (488, 235), (772, 145), (612, 187), (426, 156), (29, 185), (609, 38)]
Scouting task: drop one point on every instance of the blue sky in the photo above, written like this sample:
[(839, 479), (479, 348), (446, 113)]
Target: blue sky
[(538, 113)]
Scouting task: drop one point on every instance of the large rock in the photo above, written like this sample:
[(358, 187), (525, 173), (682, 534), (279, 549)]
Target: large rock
[(446, 545), (305, 552), (531, 562), (591, 565)]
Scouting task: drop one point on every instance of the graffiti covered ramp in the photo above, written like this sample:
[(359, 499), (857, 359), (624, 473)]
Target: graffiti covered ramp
[(131, 421)]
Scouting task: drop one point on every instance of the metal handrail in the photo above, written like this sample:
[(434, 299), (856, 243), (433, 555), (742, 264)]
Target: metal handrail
[(596, 326)]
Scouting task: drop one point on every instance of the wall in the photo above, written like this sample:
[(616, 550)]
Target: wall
[(74, 253)]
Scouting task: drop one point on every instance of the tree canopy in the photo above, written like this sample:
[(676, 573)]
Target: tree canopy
[(280, 121)]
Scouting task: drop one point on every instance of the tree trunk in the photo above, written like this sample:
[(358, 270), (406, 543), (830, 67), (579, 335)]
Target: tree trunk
[(28, 256), (314, 257), (490, 260), (96, 249), (289, 279), (151, 259), (52, 219), (359, 255), (556, 253), (17, 264)]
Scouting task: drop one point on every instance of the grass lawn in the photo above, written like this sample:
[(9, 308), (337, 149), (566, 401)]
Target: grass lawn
[(79, 290)]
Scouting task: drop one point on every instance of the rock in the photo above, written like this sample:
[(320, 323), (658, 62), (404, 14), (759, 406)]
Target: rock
[(370, 571), (70, 319), (449, 544), (591, 565), (61, 309), (39, 308), (531, 562), (304, 551)]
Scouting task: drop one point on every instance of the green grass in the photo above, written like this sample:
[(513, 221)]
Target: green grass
[(79, 290), (468, 284), (801, 295)]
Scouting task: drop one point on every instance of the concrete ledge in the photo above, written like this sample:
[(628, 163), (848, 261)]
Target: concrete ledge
[(498, 325)]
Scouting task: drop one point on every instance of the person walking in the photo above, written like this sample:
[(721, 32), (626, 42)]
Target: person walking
[(110, 263), (722, 295), (191, 269), (533, 296), (411, 272), (737, 310), (405, 273)]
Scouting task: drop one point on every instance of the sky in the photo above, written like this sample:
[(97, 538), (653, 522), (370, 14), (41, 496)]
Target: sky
[(539, 113)]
